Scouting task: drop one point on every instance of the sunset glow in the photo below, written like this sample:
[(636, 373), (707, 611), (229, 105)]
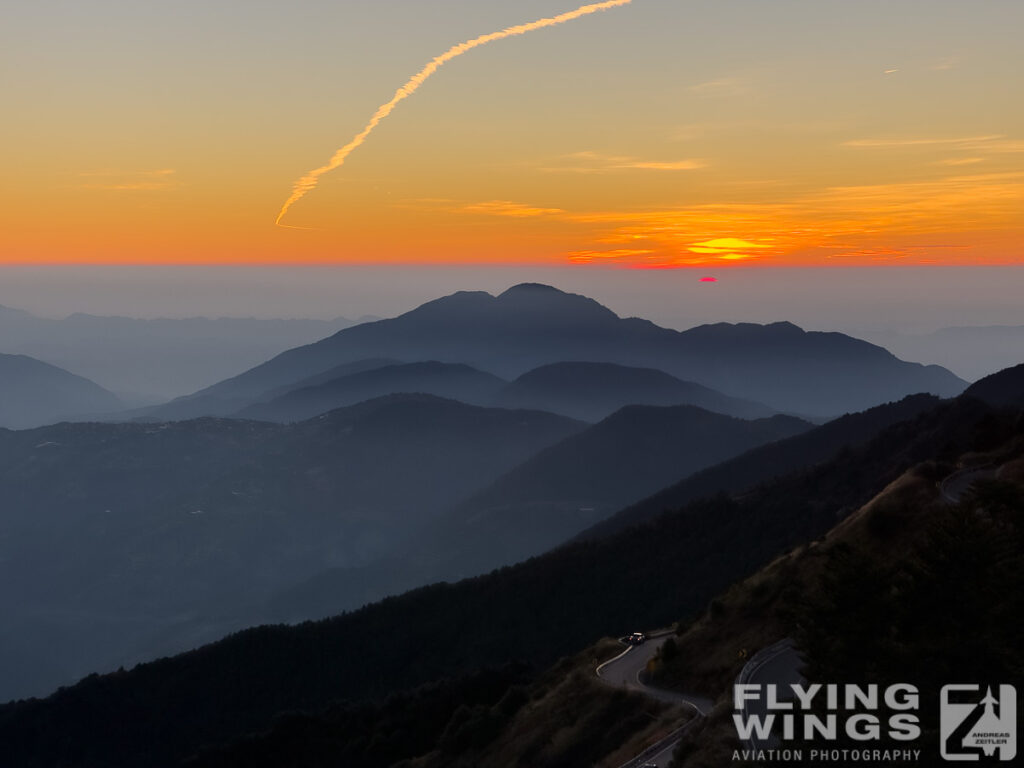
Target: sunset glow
[(602, 143)]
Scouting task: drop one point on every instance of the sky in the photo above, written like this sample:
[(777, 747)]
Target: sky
[(864, 301), (698, 136)]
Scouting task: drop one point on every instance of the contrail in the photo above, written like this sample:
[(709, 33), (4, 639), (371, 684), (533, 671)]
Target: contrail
[(310, 180)]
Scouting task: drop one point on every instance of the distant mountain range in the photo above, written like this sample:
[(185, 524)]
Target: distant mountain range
[(33, 393), (197, 525), (151, 360), (450, 380), (649, 575), (586, 391), (113, 535), (530, 325), (432, 446), (970, 351)]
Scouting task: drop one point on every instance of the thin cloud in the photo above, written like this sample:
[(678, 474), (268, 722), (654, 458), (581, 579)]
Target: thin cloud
[(725, 86), (922, 142), (993, 144), (671, 165), (136, 181), (595, 162), (509, 208), (956, 161), (620, 253), (945, 65)]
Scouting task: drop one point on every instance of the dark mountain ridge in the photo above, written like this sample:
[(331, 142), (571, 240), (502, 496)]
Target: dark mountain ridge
[(159, 713), (766, 462), (532, 325), (1002, 389)]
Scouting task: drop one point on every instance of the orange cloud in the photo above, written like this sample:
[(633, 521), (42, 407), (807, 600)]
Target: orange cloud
[(135, 181), (595, 162), (837, 222), (725, 86), (621, 253), (994, 143), (724, 245), (675, 165), (508, 208), (954, 161)]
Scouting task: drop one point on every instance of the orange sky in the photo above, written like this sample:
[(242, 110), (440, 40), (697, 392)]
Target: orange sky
[(650, 135)]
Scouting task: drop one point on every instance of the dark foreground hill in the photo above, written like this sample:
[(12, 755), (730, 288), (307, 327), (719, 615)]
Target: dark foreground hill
[(908, 577), (527, 326), (889, 596), (117, 538), (159, 713), (33, 393), (1002, 389)]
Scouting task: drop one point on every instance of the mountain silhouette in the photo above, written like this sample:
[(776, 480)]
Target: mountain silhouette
[(761, 464), (33, 393), (585, 391), (531, 325), (449, 380), (1002, 389), (337, 372), (592, 391)]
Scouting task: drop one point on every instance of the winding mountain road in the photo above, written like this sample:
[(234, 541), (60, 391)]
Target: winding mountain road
[(954, 486), (624, 671)]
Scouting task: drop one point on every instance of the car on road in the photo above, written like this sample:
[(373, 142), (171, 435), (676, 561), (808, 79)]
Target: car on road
[(637, 638)]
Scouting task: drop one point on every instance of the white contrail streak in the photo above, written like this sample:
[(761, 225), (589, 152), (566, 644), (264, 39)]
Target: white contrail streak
[(310, 180)]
